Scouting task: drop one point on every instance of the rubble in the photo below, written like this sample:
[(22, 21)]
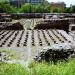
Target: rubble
[(3, 56), (55, 53)]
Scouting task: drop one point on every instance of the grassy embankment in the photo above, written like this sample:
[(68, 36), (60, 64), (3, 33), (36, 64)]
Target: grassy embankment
[(62, 68)]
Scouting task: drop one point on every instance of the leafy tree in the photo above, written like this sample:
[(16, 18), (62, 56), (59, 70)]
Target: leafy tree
[(73, 9), (26, 8), (39, 8), (67, 10), (47, 9), (57, 10), (7, 8)]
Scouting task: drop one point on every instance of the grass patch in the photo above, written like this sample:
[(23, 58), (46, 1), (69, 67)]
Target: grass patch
[(63, 68), (12, 69), (12, 54)]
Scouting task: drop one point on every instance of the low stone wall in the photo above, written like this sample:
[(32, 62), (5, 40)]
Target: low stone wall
[(11, 26), (26, 15), (53, 24)]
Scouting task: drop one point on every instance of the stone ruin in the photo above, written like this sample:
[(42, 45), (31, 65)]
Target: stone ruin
[(55, 53), (13, 25), (55, 17)]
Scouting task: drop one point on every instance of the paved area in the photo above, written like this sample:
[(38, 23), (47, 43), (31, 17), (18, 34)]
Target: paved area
[(28, 43), (33, 38)]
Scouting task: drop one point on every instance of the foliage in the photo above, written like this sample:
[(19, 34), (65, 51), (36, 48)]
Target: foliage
[(26, 8), (29, 8), (39, 8), (67, 10), (70, 9), (7, 8), (57, 10), (73, 9)]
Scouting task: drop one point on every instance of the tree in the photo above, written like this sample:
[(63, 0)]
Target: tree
[(39, 8), (42, 8), (57, 10), (73, 9), (7, 8), (26, 8), (68, 10), (47, 9)]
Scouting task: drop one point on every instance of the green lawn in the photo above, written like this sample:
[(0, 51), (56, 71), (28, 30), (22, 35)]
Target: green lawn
[(12, 69), (64, 68)]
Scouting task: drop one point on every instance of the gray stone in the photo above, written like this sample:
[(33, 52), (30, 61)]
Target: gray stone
[(56, 52)]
